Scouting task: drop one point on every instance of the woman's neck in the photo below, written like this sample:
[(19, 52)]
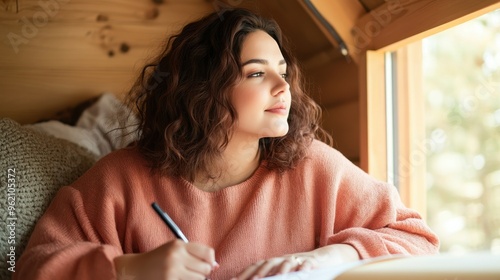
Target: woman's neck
[(239, 161)]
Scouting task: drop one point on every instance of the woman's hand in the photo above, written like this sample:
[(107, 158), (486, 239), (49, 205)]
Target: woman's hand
[(328, 255), (278, 265), (173, 260)]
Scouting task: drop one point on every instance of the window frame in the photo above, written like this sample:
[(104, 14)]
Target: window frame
[(402, 33)]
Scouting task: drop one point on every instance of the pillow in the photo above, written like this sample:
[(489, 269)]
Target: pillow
[(80, 136), (103, 127), (111, 122), (71, 115), (38, 165)]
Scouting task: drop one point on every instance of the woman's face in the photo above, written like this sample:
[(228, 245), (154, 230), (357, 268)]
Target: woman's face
[(262, 97)]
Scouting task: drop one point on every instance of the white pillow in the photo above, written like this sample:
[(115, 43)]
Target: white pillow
[(105, 126)]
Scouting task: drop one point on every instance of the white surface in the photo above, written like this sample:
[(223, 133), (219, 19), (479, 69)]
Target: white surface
[(473, 266), (330, 272)]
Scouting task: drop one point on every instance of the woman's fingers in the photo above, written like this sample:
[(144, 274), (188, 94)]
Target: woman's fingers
[(202, 252), (200, 258), (187, 274), (265, 268), (275, 266), (173, 260), (193, 260), (307, 264), (249, 271), (286, 266), (194, 264)]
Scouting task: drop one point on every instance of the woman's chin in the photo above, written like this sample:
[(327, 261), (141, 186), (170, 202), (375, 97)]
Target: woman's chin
[(279, 131)]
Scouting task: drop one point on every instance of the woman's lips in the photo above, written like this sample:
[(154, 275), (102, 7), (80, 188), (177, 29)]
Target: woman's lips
[(279, 110)]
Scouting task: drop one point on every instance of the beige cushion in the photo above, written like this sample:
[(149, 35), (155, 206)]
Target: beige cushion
[(42, 164)]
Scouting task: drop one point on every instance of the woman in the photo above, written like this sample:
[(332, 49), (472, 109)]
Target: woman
[(228, 148)]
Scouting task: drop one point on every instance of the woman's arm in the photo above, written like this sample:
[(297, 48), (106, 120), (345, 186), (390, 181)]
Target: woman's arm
[(334, 254), (371, 218), (367, 213), (65, 245)]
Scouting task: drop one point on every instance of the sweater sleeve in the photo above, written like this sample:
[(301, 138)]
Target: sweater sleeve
[(368, 214), (65, 243), (382, 227)]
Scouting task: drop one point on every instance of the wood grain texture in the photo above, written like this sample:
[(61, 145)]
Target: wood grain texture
[(371, 4), (411, 171), (400, 22), (372, 121), (334, 82), (9, 6), (342, 122), (56, 54), (334, 85), (342, 15)]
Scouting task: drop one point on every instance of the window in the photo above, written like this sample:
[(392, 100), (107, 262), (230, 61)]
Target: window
[(403, 110), (461, 86), (439, 139)]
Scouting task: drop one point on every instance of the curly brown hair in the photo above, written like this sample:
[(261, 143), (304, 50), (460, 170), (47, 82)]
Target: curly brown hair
[(183, 99)]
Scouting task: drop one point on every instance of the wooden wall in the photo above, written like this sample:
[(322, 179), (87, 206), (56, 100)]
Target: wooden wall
[(337, 77), (57, 53), (335, 88)]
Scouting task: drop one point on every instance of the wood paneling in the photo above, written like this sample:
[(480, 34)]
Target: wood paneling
[(399, 22), (371, 4), (9, 6), (334, 85), (55, 56), (342, 15), (334, 82), (342, 122)]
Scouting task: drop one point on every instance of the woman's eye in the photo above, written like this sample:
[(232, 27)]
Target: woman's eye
[(256, 74), (260, 74)]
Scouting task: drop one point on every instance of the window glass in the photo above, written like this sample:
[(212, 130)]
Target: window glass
[(461, 83)]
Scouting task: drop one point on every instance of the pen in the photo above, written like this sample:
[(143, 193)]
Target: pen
[(173, 227), (170, 223)]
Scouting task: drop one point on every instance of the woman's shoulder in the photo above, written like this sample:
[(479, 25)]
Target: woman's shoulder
[(123, 163), (128, 157), (328, 161), (319, 151), (321, 158)]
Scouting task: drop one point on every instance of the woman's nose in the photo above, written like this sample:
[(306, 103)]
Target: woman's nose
[(281, 85)]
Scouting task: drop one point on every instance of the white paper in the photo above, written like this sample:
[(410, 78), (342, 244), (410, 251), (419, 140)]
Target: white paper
[(329, 273)]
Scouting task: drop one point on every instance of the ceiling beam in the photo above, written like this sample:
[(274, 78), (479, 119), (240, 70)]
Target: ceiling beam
[(342, 16), (400, 22)]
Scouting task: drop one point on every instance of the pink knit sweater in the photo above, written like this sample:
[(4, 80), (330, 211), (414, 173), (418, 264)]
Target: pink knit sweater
[(324, 200)]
